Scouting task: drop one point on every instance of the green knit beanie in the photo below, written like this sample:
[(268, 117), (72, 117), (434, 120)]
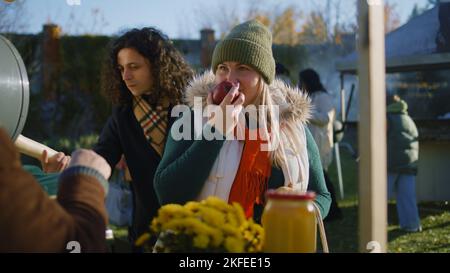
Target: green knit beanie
[(249, 43)]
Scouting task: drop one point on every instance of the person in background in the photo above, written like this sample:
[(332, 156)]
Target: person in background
[(282, 73), (30, 221), (403, 155), (321, 126)]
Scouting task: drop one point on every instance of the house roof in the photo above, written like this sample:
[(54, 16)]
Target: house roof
[(411, 47)]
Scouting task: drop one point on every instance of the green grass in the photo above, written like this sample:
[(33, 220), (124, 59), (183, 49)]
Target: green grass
[(435, 236), (343, 234), (120, 243)]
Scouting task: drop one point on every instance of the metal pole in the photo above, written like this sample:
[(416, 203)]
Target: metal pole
[(339, 168), (336, 145), (342, 99), (372, 127)]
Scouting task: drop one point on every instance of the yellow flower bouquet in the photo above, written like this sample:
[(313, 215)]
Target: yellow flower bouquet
[(210, 225)]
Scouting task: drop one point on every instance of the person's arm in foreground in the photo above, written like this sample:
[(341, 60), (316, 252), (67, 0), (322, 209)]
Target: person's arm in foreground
[(32, 222)]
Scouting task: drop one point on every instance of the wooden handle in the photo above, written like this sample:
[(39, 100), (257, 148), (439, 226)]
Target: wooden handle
[(32, 148)]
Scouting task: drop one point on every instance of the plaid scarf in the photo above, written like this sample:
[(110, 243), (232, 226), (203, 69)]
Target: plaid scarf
[(153, 122)]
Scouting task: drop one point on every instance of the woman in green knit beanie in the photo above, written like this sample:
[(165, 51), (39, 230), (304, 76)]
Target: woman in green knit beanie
[(241, 170)]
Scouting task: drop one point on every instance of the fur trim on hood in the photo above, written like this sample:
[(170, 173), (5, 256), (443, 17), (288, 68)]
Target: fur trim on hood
[(294, 104)]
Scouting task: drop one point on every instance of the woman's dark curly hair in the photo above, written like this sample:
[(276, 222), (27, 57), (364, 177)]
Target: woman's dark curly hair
[(170, 72)]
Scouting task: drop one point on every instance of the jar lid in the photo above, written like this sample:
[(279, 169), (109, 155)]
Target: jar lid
[(290, 195)]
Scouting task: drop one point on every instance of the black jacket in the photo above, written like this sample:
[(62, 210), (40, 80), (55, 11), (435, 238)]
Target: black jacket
[(122, 134)]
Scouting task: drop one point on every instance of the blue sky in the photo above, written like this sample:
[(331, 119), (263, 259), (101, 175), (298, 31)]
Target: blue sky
[(177, 18)]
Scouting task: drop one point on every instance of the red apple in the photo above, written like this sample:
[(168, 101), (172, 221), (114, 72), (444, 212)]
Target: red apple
[(220, 91)]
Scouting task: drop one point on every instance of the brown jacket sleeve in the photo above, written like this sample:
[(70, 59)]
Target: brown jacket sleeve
[(32, 222)]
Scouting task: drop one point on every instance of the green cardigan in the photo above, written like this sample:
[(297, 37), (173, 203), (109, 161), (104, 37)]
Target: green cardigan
[(186, 164)]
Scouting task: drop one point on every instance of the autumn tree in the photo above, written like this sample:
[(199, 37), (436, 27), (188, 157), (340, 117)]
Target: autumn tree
[(264, 19), (284, 27), (289, 26), (314, 30), (391, 17)]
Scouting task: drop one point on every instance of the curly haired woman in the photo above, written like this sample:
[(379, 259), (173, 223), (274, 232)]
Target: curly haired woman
[(145, 77)]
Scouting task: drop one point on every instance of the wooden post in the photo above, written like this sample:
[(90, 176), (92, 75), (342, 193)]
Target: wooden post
[(372, 128)]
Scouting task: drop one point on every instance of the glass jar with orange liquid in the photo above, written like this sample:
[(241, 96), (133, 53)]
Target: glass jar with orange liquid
[(289, 222)]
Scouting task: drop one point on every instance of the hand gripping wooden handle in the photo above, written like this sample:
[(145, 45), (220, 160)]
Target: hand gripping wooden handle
[(32, 148)]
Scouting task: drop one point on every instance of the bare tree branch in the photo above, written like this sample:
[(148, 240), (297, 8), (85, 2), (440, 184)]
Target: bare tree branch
[(76, 24), (13, 17)]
